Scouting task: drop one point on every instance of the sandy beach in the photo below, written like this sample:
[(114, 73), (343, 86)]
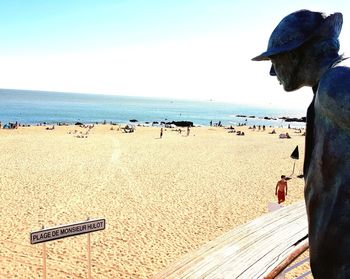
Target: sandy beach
[(161, 198)]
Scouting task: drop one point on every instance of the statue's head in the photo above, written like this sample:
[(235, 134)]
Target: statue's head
[(311, 32), (299, 27)]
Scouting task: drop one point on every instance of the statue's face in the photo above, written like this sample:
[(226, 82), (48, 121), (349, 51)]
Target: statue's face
[(285, 67)]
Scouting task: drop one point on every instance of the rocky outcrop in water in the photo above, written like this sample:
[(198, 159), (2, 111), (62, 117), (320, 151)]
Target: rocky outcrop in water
[(293, 119), (182, 123)]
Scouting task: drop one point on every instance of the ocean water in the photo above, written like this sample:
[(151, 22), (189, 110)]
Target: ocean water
[(32, 107)]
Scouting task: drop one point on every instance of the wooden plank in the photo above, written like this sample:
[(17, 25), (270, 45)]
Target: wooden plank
[(258, 256), (247, 251), (257, 227), (213, 255), (274, 245), (268, 261), (290, 258), (244, 257), (243, 244), (254, 254)]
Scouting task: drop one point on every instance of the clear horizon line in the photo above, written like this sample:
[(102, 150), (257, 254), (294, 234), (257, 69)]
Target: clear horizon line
[(151, 97)]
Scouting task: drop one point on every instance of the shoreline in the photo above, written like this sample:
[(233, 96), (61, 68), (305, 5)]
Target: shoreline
[(288, 122)]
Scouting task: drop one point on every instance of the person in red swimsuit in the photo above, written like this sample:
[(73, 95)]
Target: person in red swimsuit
[(281, 189)]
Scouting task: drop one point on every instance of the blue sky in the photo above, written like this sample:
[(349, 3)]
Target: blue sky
[(173, 49)]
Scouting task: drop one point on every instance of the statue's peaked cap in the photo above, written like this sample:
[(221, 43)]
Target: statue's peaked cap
[(299, 27)]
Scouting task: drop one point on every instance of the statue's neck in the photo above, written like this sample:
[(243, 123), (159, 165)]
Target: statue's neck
[(323, 67)]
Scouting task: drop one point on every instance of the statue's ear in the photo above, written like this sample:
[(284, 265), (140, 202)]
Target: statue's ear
[(331, 26)]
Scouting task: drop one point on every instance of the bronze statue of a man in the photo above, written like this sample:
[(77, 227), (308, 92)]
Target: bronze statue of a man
[(303, 49)]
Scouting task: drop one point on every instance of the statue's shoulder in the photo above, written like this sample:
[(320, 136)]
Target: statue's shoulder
[(336, 78), (333, 94), (336, 81)]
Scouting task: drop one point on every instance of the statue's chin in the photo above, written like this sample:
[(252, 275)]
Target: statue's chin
[(290, 87), (290, 84)]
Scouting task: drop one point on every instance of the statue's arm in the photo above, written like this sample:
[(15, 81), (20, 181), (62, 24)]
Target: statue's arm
[(327, 189)]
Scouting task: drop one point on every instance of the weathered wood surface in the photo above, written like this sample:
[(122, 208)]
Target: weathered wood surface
[(252, 250)]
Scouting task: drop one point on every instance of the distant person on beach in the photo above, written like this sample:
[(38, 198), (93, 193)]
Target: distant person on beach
[(161, 133), (304, 51), (281, 189), (188, 130)]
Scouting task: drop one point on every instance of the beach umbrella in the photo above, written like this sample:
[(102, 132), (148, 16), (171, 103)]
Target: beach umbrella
[(295, 156)]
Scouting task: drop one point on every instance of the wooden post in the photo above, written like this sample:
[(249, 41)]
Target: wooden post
[(44, 258), (290, 176), (89, 255), (293, 167)]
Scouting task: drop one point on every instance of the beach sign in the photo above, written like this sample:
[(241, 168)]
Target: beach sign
[(55, 233), (86, 227)]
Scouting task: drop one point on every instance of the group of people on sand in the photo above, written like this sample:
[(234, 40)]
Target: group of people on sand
[(51, 128), (284, 136), (218, 124), (259, 127), (16, 125), (9, 125), (188, 131)]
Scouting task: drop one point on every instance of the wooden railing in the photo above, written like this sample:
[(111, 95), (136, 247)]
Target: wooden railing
[(294, 266), (262, 248)]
